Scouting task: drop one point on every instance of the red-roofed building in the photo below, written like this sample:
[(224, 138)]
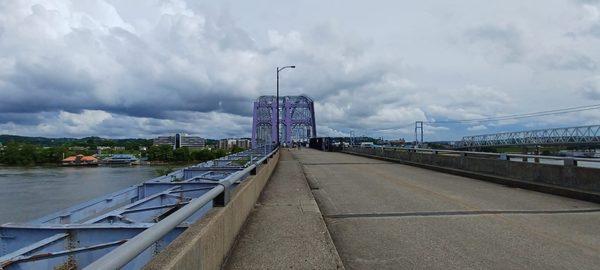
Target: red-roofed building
[(80, 160)]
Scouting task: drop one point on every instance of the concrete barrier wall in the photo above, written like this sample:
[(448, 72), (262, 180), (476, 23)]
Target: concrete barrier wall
[(206, 243), (587, 179)]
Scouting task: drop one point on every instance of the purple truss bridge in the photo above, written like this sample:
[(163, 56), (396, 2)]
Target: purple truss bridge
[(296, 123)]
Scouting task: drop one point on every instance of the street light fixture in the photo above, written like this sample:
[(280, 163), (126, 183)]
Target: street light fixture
[(277, 98)]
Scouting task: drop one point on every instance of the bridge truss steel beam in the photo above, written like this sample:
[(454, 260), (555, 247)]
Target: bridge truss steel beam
[(583, 135), (297, 120)]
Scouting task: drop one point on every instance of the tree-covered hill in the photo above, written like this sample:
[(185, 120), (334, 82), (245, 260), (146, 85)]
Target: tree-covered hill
[(90, 142)]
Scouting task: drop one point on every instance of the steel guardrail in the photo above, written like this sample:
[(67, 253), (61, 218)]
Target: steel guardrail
[(126, 252)]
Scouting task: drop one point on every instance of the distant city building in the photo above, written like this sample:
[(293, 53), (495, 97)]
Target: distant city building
[(192, 142), (226, 143), (243, 143), (230, 143), (164, 140), (181, 140), (399, 142), (101, 149)]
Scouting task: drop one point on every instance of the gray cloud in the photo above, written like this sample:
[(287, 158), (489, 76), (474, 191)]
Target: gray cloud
[(590, 88), (181, 63), (570, 61), (594, 30), (143, 68), (587, 1), (501, 42)]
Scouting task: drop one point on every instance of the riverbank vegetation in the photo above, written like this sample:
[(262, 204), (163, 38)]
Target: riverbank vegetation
[(27, 154), (164, 170), (23, 154), (166, 153), (26, 151)]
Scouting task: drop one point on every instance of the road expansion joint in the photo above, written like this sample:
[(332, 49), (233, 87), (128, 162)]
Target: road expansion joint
[(461, 213), (275, 204), (348, 163)]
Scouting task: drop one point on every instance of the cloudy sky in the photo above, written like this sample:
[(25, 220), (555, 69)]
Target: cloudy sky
[(141, 68)]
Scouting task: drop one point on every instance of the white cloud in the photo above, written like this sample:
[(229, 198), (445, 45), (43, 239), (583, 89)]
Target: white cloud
[(114, 68), (101, 123), (477, 128)]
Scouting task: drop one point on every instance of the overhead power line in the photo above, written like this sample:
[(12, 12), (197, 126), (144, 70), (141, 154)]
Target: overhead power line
[(520, 116), (505, 117)]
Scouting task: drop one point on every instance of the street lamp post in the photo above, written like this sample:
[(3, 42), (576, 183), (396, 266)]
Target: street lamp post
[(277, 98)]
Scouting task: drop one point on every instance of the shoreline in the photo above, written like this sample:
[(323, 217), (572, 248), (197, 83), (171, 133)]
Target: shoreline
[(55, 165)]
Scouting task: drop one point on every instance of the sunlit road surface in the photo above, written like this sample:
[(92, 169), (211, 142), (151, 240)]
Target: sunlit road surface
[(384, 215)]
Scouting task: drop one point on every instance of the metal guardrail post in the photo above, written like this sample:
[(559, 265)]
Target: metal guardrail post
[(253, 171), (223, 198), (570, 162)]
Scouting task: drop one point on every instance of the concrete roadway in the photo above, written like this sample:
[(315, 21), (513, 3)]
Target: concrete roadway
[(383, 215)]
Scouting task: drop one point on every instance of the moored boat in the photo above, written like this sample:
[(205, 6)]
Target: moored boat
[(121, 159)]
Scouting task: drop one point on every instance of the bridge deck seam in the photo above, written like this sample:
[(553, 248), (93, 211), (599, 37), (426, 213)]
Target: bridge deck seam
[(461, 213), (348, 163)]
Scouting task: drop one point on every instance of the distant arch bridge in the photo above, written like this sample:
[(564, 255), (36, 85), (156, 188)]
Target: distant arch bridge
[(296, 120)]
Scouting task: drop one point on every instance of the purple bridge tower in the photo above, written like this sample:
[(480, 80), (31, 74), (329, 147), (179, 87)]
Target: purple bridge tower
[(296, 124)]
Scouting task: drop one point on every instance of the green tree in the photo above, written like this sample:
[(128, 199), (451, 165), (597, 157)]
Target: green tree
[(160, 153), (182, 154), (219, 153), (203, 155), (153, 153), (11, 153), (236, 149), (46, 155), (19, 154)]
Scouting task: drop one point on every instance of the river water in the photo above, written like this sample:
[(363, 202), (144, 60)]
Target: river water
[(29, 193)]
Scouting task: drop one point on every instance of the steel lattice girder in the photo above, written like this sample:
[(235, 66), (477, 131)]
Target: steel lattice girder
[(552, 136), (297, 119)]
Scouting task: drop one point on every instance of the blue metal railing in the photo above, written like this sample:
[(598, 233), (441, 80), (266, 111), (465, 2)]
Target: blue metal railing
[(126, 228)]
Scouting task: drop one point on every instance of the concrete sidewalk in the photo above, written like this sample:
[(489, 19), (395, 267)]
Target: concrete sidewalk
[(286, 229)]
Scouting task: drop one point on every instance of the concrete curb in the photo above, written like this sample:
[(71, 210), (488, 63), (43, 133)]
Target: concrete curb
[(313, 185), (540, 187), (206, 243)]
